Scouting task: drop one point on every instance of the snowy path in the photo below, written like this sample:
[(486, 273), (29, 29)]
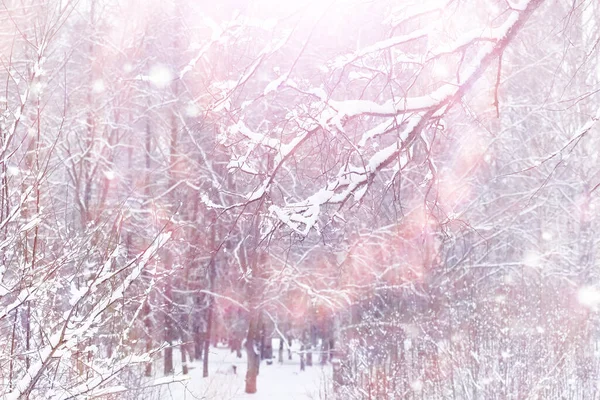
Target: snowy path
[(276, 381)]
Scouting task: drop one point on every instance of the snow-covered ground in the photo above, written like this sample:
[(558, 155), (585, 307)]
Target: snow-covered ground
[(276, 381)]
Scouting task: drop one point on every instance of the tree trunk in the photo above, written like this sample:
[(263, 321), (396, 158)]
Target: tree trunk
[(147, 310), (266, 345), (168, 321), (12, 352), (337, 375), (198, 342), (148, 326), (169, 370), (235, 344), (207, 337), (324, 351), (280, 359), (307, 340), (211, 300), (331, 349), (253, 359), (184, 367), (253, 293)]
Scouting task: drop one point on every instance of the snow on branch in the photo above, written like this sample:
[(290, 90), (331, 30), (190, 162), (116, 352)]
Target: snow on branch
[(301, 216), (351, 180), (405, 117), (74, 329)]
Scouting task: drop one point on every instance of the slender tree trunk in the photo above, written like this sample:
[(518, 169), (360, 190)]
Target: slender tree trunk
[(253, 293), (27, 333), (184, 366), (207, 335), (171, 310), (324, 351), (280, 359), (168, 325), (266, 349), (148, 326), (147, 308), (253, 358), (198, 342), (169, 369), (211, 300), (331, 349), (307, 342), (12, 352), (195, 319)]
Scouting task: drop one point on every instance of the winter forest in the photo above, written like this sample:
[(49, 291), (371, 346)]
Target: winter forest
[(277, 199)]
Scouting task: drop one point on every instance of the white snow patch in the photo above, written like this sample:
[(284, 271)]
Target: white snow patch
[(160, 76), (547, 236), (540, 330), (274, 85), (98, 86), (416, 385), (31, 224), (588, 296), (13, 170), (532, 259), (109, 174), (192, 110)]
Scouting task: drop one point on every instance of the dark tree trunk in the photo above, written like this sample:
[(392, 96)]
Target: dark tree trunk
[(184, 367), (192, 265), (12, 352), (280, 359), (148, 326), (27, 333), (198, 341), (211, 300), (253, 293), (147, 310), (168, 321), (169, 370), (262, 341), (337, 375), (207, 334), (307, 344), (331, 349), (235, 344), (253, 359), (266, 345), (170, 309), (324, 351)]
